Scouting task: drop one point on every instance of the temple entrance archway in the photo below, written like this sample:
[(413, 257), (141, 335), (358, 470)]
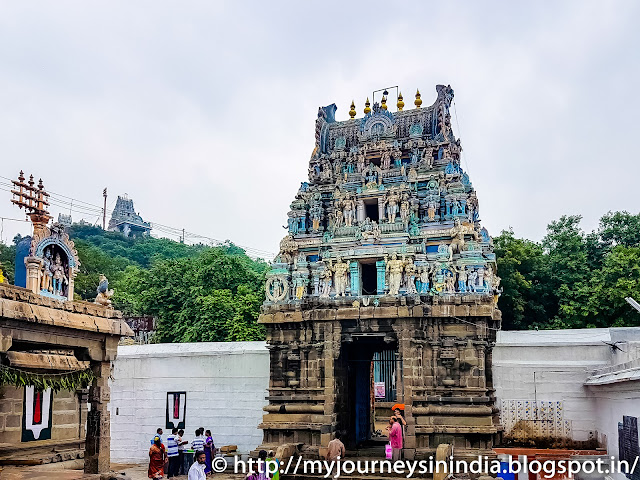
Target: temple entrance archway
[(367, 368)]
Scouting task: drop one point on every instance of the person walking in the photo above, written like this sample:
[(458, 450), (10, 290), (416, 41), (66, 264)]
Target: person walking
[(172, 454), (158, 434), (157, 459), (263, 471), (395, 438), (196, 472), (335, 449)]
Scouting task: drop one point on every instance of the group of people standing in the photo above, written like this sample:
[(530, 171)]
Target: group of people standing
[(174, 459)]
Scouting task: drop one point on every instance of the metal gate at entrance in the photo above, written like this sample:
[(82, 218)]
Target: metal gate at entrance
[(384, 375)]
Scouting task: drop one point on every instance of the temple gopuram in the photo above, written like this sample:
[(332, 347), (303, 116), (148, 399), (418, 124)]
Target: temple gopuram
[(384, 291), (56, 352)]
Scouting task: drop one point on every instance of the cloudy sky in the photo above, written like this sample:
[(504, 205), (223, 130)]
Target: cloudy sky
[(203, 112)]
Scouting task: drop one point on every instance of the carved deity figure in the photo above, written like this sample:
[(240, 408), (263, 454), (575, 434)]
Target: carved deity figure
[(425, 273), (427, 157), (349, 211), (471, 282), (340, 270), (431, 210), (394, 269), (385, 160), (457, 235), (360, 163), (315, 212), (404, 209), (59, 276), (300, 284), (439, 280), (104, 294), (391, 201), (325, 283), (450, 282), (480, 282), (45, 281), (410, 277), (462, 278)]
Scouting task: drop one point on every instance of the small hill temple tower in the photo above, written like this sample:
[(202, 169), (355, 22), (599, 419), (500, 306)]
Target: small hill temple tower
[(384, 291)]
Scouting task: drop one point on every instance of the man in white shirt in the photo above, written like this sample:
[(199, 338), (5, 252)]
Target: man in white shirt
[(196, 472)]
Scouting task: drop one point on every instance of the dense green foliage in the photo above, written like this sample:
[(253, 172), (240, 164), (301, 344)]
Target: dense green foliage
[(571, 279)]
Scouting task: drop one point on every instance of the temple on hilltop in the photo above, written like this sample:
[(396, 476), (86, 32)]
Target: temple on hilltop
[(384, 291), (125, 220), (55, 351)]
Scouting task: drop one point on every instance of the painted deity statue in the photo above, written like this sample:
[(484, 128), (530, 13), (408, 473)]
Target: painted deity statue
[(394, 269), (410, 277), (439, 280), (325, 283), (46, 280), (431, 210), (425, 273), (59, 276), (462, 278), (340, 270), (385, 160), (392, 206), (427, 157), (450, 282), (349, 210), (404, 209), (471, 282)]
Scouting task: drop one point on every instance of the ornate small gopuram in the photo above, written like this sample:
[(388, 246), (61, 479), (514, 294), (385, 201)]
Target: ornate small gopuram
[(52, 347), (384, 291), (125, 220)]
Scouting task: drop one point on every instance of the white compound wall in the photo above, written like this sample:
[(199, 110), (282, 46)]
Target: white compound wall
[(226, 385)]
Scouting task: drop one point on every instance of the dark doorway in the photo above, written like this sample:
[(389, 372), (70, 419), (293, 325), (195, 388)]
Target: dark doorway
[(369, 278), (366, 360), (371, 210)]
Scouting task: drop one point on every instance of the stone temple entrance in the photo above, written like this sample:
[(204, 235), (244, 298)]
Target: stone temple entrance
[(385, 282), (369, 361)]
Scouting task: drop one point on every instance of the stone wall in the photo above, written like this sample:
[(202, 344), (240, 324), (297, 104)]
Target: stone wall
[(225, 385), (66, 422), (543, 391)]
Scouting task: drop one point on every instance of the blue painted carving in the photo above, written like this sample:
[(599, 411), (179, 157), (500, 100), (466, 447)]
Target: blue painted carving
[(340, 143), (380, 277), (415, 130), (22, 252), (452, 168), (354, 268), (55, 241)]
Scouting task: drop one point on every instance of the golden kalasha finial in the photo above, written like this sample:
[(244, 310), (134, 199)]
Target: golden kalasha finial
[(352, 112), (383, 102), (367, 106), (400, 103), (418, 101)]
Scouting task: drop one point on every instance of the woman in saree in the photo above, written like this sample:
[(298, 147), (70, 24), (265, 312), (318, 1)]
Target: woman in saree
[(209, 451), (157, 459)]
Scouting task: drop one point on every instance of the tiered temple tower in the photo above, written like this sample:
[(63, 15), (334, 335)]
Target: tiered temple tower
[(125, 220), (384, 290)]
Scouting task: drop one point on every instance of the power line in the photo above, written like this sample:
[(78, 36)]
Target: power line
[(89, 209)]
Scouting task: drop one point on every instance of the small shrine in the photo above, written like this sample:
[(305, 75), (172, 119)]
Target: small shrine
[(55, 352), (385, 289)]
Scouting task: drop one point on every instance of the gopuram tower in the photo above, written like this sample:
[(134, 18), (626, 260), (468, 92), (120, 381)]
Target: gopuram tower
[(384, 291)]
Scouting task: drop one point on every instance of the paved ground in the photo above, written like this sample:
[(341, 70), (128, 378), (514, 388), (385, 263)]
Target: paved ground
[(55, 472)]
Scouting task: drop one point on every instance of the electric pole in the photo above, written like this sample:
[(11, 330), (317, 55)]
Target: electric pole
[(104, 210)]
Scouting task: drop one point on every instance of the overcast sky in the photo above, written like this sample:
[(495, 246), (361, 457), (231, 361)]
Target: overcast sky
[(203, 112)]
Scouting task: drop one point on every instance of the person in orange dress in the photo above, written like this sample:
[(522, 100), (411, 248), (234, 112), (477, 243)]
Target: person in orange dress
[(157, 459)]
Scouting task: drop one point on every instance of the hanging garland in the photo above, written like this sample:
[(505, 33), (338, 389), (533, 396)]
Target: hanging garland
[(41, 381)]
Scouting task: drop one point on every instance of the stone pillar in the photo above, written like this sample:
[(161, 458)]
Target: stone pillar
[(34, 266), (380, 210), (380, 277), (354, 268), (97, 455), (360, 211)]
